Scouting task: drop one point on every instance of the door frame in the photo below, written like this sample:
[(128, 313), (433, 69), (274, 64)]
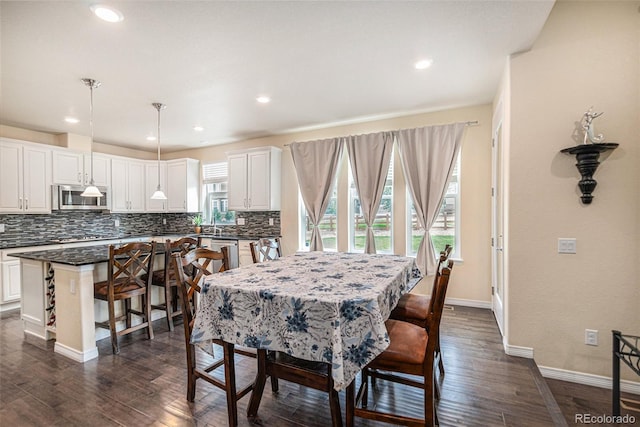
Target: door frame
[(498, 299)]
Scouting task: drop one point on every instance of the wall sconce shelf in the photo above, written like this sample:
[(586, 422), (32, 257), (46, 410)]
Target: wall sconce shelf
[(588, 156)]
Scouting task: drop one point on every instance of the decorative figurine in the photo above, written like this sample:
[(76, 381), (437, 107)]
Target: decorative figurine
[(587, 125)]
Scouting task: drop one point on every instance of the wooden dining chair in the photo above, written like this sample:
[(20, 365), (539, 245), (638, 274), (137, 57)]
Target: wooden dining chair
[(279, 365), (128, 277), (417, 309), (265, 249), (165, 277), (190, 269), (411, 352)]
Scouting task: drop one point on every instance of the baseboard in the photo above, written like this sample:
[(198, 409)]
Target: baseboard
[(588, 379), (9, 306), (468, 303), (514, 350), (74, 354)]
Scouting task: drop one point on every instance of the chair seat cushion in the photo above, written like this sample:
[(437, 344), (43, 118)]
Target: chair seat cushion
[(408, 346), (101, 289), (411, 306)]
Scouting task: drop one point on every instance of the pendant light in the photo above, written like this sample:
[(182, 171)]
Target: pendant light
[(159, 194), (91, 190)]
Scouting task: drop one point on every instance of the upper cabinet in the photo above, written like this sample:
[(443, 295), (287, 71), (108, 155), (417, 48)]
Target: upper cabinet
[(25, 178), (151, 184), (254, 179), (73, 168), (183, 185), (128, 185)]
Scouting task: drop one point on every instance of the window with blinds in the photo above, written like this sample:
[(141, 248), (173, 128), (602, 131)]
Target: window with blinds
[(214, 189)]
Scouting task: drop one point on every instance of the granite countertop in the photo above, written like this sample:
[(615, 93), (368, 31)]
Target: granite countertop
[(75, 256)]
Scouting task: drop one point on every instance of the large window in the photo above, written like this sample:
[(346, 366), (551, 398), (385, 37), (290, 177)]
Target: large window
[(214, 189), (383, 223), (446, 229), (328, 226)]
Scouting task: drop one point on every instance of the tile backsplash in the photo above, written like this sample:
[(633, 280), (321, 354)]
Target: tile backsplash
[(27, 230)]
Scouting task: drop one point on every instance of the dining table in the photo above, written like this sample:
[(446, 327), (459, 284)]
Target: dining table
[(319, 306)]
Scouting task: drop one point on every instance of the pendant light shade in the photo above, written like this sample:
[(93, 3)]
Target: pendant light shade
[(91, 190), (158, 194)]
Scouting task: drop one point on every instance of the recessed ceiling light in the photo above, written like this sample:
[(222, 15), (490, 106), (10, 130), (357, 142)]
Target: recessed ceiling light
[(71, 120), (151, 138), (423, 64), (198, 128), (263, 99), (107, 13)]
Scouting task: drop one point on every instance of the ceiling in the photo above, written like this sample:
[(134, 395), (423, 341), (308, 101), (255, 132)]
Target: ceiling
[(321, 63)]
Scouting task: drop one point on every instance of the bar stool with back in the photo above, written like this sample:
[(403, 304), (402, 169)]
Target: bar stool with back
[(128, 277)]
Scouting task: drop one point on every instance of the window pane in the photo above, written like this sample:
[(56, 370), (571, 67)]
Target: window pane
[(383, 223), (214, 189), (445, 229), (328, 226)]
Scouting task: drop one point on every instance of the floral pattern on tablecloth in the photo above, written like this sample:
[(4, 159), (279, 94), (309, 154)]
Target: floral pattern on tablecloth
[(320, 306)]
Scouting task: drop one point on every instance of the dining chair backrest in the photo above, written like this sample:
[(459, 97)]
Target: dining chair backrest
[(265, 250), (190, 269), (132, 263), (442, 262)]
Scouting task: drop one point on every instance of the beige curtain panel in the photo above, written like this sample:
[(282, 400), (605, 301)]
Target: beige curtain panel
[(369, 156), (316, 163), (428, 157)]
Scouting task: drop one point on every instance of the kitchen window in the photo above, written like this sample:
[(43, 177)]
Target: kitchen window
[(446, 228), (214, 190), (383, 223)]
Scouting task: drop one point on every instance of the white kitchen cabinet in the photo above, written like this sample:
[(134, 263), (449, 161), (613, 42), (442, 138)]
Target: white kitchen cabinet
[(254, 179), (25, 178), (127, 185), (74, 168), (151, 185), (183, 185)]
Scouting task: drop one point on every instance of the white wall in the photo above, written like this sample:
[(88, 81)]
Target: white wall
[(587, 55)]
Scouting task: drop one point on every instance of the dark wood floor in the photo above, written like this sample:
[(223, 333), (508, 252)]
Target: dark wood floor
[(146, 385)]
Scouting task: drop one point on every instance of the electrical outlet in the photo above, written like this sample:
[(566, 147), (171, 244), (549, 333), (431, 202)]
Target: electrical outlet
[(566, 245), (117, 222), (1, 228), (591, 337), (164, 221), (270, 221), (240, 221)]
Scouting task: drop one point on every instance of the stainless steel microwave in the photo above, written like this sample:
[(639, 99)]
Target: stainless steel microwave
[(68, 197)]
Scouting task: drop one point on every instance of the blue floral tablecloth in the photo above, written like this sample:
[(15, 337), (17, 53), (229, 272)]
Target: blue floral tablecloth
[(320, 306)]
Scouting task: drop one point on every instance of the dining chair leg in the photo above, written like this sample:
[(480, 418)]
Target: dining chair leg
[(230, 381), (258, 387), (334, 404), (147, 313), (350, 397), (169, 306), (112, 328), (365, 387)]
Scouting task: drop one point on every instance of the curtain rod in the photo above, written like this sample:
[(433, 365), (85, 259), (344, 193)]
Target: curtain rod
[(467, 123)]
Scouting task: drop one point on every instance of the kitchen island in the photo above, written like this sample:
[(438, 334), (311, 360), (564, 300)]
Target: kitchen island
[(58, 300)]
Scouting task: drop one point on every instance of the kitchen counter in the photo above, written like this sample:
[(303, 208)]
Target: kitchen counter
[(75, 256)]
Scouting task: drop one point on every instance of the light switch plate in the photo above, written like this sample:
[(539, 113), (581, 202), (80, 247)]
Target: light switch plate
[(240, 221), (566, 245), (1, 228)]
